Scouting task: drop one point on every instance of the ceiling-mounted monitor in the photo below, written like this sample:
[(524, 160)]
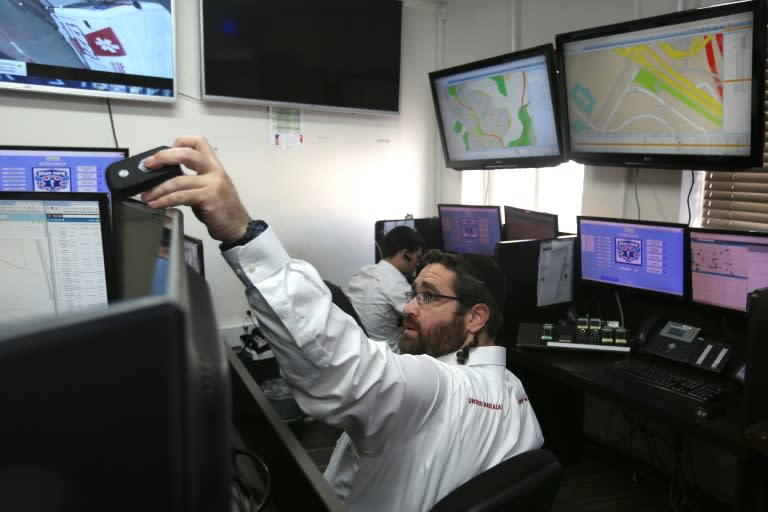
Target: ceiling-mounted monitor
[(682, 90), (341, 55), (499, 112), (113, 49)]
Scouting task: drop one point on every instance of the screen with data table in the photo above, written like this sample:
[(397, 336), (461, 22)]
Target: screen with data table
[(726, 266), (54, 254)]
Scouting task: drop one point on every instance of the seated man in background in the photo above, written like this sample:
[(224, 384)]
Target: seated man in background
[(416, 425), (378, 291)]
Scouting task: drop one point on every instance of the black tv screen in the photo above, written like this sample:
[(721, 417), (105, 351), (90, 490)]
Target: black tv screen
[(682, 90), (116, 49), (335, 54), (499, 112)]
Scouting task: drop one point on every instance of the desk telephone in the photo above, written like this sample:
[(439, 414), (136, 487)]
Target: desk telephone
[(682, 343)]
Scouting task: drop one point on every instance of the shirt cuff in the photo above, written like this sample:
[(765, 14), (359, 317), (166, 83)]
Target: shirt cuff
[(255, 228)]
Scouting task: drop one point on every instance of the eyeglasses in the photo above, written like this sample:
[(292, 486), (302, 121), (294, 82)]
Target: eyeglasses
[(426, 297)]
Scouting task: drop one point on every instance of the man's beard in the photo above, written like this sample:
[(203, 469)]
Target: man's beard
[(439, 340)]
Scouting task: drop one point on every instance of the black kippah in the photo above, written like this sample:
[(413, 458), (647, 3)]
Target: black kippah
[(490, 274)]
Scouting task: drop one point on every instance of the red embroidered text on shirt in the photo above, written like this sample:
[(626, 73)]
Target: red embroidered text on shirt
[(522, 400), (475, 401)]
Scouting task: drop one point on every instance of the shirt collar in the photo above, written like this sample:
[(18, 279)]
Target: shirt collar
[(479, 356)]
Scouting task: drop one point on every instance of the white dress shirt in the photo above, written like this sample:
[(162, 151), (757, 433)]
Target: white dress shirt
[(378, 294), (416, 427)]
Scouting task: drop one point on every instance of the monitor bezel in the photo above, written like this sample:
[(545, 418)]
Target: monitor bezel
[(668, 160), (604, 286), (106, 78), (692, 231), (106, 225), (546, 51), (552, 218), (497, 208)]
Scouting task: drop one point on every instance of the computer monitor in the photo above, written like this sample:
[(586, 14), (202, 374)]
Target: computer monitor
[(470, 228), (522, 224), (683, 90), (135, 396), (56, 254), (104, 48), (499, 112), (56, 169), (194, 254), (427, 227), (726, 266), (643, 255)]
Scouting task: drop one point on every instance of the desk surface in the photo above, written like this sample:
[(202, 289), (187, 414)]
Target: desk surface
[(586, 371)]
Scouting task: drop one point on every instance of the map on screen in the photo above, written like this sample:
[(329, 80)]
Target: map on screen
[(498, 111), (682, 89)]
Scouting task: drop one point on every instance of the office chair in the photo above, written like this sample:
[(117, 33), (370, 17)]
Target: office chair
[(341, 300), (527, 482)]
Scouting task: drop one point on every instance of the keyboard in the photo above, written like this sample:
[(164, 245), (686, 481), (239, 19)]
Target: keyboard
[(683, 383)]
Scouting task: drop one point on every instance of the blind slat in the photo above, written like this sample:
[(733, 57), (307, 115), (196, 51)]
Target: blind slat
[(731, 224), (758, 188), (727, 195), (737, 177), (737, 206), (736, 215)]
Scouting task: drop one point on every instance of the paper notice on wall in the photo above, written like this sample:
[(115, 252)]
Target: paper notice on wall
[(555, 272), (286, 129)]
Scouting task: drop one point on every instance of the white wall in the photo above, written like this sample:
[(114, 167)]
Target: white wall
[(323, 198)]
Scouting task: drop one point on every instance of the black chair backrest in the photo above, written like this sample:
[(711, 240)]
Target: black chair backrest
[(526, 482), (341, 300)]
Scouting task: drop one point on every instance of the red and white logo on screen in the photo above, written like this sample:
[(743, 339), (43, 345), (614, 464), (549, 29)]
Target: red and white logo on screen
[(105, 43)]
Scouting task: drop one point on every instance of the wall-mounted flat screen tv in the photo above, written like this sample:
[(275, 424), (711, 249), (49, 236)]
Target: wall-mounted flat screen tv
[(114, 49), (682, 90), (499, 112), (333, 55)]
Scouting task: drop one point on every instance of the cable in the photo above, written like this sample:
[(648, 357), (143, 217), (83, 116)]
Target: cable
[(112, 123), (182, 95), (688, 199), (249, 316), (265, 475), (621, 310), (237, 495), (637, 197)]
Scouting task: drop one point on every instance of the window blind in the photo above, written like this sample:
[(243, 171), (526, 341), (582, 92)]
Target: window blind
[(737, 200)]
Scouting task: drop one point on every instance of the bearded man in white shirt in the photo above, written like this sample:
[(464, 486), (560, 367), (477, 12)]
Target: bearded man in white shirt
[(417, 424)]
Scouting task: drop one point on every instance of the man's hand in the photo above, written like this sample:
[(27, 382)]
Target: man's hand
[(210, 192)]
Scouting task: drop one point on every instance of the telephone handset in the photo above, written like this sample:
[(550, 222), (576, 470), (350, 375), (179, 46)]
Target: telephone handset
[(647, 329), (683, 343)]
